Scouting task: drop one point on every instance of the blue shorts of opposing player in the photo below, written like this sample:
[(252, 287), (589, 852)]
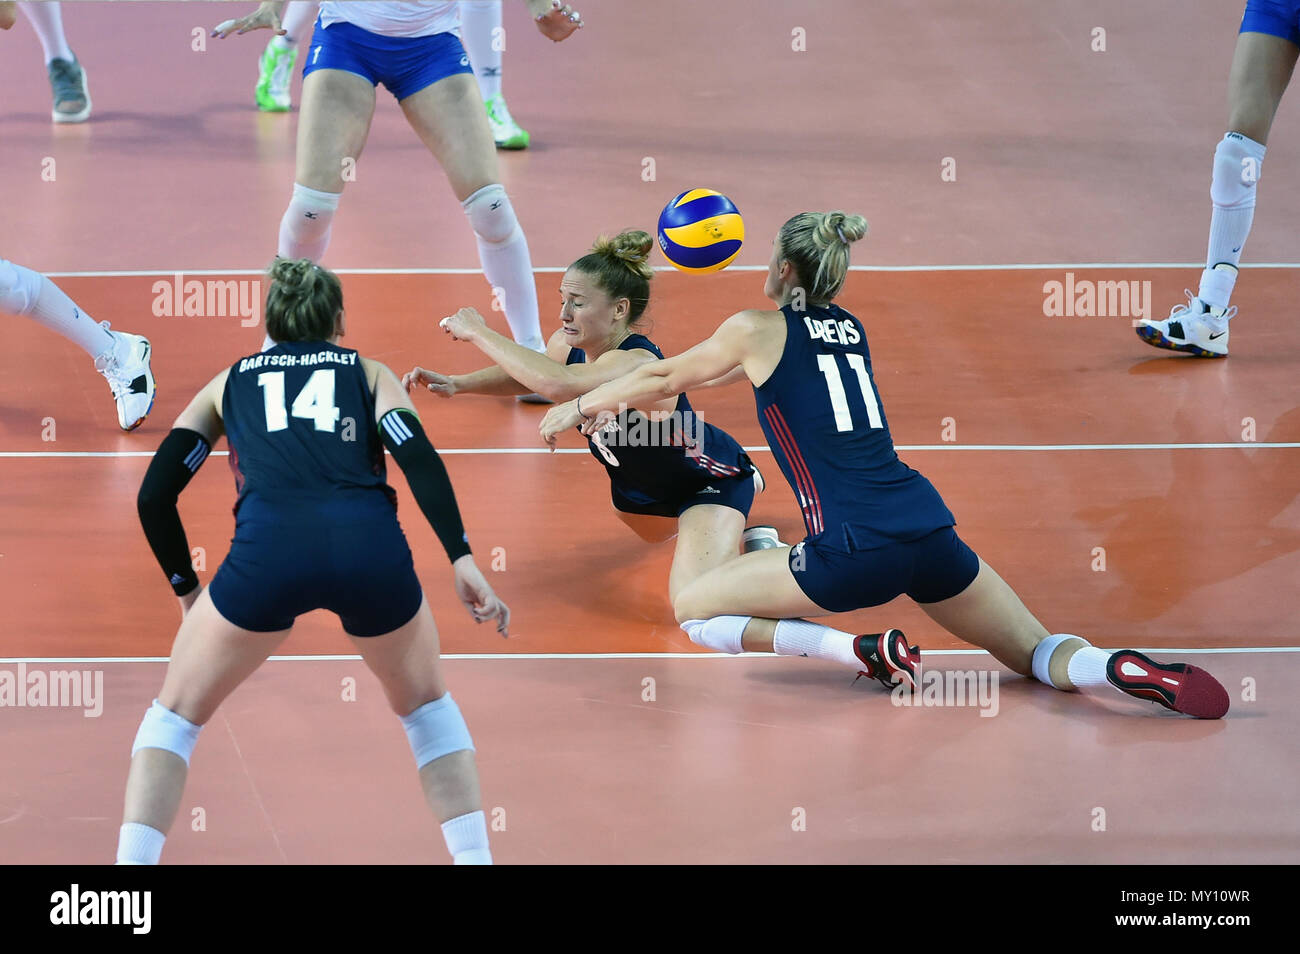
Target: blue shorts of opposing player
[(1274, 17), (403, 64)]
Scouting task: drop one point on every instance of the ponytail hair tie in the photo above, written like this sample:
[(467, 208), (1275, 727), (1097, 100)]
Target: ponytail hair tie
[(840, 232)]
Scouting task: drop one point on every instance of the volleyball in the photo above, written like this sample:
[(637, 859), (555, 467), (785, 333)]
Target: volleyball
[(701, 231)]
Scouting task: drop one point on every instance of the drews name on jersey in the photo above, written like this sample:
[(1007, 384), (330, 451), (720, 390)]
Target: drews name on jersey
[(832, 331), (297, 360)]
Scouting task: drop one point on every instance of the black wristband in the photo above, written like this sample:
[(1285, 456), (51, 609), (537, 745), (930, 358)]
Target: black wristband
[(177, 459), (427, 476)]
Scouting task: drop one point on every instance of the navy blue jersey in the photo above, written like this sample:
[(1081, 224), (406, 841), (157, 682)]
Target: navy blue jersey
[(300, 421), (823, 419), (663, 460)]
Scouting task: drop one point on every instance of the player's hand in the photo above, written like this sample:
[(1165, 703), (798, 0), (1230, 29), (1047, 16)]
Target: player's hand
[(464, 324), (477, 595), (262, 18), (559, 418), (440, 384), (560, 22), (188, 600), (8, 14), (590, 425)]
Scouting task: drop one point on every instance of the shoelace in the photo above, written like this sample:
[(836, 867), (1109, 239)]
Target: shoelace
[(117, 379), (65, 77), (111, 368), (1183, 311)]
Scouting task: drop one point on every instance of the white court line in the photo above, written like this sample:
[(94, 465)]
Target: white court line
[(29, 660), (668, 268), (757, 448)]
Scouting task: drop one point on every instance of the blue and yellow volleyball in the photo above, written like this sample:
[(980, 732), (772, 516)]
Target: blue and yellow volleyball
[(701, 231)]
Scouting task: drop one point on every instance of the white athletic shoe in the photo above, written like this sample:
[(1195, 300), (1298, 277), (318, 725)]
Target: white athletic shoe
[(1194, 328), (130, 378), (760, 538)]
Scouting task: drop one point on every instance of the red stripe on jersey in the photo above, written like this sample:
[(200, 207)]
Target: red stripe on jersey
[(812, 506), (801, 478)]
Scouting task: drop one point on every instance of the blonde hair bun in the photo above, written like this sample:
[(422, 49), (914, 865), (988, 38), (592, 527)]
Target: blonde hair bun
[(631, 247), (839, 227)]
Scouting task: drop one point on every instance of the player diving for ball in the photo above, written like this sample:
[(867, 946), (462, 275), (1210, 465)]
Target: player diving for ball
[(670, 473)]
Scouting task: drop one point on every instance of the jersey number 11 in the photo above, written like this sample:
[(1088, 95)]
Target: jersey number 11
[(839, 400)]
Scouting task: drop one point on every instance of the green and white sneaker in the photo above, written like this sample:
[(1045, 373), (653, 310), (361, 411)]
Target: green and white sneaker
[(275, 73), (505, 131)]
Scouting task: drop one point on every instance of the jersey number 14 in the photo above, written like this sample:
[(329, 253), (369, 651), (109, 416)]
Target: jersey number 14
[(315, 402), (839, 400)]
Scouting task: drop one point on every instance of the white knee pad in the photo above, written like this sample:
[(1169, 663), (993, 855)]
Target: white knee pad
[(309, 216), (1237, 162), (436, 729), (491, 215), (19, 288), (163, 729), (1041, 662)]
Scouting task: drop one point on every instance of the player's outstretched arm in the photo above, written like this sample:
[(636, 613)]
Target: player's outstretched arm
[(710, 360), (489, 380), (403, 435), (176, 461), (546, 374)]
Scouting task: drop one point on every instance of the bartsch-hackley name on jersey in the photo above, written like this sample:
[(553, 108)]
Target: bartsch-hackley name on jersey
[(297, 360)]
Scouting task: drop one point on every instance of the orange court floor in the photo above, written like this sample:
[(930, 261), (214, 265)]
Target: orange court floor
[(1138, 498)]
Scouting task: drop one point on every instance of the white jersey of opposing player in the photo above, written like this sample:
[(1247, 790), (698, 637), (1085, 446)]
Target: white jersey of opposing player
[(395, 19)]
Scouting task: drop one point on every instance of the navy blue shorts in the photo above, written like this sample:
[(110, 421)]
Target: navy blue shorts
[(1274, 17), (404, 64), (352, 561), (933, 568), (734, 492)]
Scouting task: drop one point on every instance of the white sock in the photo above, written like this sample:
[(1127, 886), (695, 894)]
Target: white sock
[(722, 634), (1237, 165), (467, 839), (478, 20), (47, 21), (296, 20), (1087, 667), (799, 637), (305, 228), (27, 292), (139, 844)]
